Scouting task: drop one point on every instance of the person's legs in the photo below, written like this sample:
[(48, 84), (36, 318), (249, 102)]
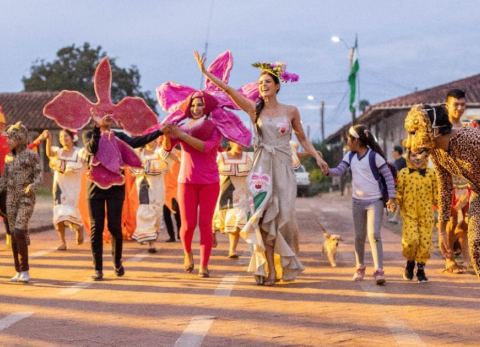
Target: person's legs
[(360, 227), (178, 219), (188, 204), (233, 242), (61, 234), (374, 225), (474, 232), (167, 218), (114, 222), (96, 209), (209, 194)]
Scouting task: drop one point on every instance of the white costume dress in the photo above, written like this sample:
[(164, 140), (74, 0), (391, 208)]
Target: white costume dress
[(68, 169), (150, 189)]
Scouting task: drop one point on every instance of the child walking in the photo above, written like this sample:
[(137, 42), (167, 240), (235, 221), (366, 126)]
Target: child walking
[(372, 187), (416, 195), (20, 181)]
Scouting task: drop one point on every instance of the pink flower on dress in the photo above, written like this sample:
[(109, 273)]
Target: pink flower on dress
[(259, 182), (283, 127)]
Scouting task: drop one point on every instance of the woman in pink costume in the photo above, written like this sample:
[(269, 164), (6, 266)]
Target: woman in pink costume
[(198, 120), (272, 227)]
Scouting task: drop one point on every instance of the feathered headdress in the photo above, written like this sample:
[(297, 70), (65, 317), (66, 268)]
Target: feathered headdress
[(277, 69)]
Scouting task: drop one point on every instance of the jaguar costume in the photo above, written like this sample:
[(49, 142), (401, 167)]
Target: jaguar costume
[(20, 181), (462, 158)]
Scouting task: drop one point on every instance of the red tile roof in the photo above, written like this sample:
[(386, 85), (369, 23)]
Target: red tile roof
[(27, 107), (432, 96)]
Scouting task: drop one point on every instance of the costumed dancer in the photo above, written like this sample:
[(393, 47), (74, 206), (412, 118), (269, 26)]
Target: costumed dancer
[(368, 166), (272, 226), (68, 166), (150, 188), (232, 207), (416, 196), (109, 152), (453, 152), (457, 225), (171, 205), (198, 122), (20, 180)]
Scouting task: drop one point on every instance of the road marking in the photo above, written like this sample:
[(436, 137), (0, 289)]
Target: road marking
[(402, 333), (225, 287), (75, 288), (12, 319), (300, 209), (38, 254), (195, 331)]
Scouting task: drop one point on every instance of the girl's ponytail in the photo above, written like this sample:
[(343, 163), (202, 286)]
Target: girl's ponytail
[(367, 139)]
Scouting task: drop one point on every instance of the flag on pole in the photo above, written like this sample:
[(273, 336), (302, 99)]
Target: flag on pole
[(352, 77)]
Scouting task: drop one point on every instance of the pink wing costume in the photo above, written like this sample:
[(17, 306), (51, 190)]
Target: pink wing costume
[(171, 96), (72, 110)]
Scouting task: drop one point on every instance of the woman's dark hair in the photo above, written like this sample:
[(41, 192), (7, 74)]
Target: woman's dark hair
[(260, 102), (69, 133), (367, 139), (438, 116)]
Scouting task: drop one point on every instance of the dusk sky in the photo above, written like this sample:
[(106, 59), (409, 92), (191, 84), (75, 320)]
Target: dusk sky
[(403, 45)]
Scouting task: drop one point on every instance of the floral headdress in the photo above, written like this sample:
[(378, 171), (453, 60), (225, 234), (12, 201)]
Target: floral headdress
[(278, 69)]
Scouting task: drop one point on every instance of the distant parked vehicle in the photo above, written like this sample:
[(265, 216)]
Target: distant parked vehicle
[(303, 180)]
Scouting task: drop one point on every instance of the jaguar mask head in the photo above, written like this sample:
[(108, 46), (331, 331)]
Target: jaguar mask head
[(17, 136), (423, 123)]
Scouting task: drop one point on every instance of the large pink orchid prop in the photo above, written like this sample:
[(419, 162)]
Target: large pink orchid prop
[(171, 95), (72, 110)]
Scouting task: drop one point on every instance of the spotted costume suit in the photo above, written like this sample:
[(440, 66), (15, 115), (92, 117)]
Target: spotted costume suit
[(461, 159), (20, 180), (416, 194)]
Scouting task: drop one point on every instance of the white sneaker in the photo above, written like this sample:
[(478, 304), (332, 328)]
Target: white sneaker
[(23, 277), (15, 278)]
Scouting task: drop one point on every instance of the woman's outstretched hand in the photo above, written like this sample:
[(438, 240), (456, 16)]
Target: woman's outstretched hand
[(200, 59), (322, 165)]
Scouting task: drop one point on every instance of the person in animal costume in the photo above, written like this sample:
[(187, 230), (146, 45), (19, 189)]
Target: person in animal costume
[(20, 181), (416, 195), (453, 152)]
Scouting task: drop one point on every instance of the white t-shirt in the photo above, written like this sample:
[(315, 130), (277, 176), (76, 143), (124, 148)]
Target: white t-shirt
[(364, 184)]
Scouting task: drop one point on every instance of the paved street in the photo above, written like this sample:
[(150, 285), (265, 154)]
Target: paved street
[(157, 304)]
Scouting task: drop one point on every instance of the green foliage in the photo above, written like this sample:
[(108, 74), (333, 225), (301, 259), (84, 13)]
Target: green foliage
[(319, 182), (73, 69)]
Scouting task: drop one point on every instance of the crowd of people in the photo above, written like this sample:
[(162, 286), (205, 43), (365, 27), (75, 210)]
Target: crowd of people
[(194, 165)]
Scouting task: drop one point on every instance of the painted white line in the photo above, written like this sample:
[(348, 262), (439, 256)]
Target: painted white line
[(195, 332), (402, 333), (38, 254), (225, 287), (75, 288), (300, 209), (12, 319), (137, 258)]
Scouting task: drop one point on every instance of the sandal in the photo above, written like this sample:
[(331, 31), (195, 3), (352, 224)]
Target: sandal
[(259, 280), (233, 256), (188, 262), (452, 267), (62, 247)]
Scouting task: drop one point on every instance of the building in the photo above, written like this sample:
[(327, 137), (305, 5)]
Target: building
[(385, 119)]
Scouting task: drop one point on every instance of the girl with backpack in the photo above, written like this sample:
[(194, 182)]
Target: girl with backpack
[(373, 188)]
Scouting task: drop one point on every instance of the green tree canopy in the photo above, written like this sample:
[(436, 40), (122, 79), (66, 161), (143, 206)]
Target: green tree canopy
[(73, 69)]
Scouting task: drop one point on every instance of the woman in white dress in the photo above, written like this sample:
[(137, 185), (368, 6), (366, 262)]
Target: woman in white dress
[(151, 195), (67, 163), (230, 216)]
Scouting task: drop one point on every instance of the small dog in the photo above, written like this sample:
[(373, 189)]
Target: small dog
[(330, 246)]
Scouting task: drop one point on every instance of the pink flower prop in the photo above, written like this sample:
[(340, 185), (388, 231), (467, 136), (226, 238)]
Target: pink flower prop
[(72, 110), (171, 95)]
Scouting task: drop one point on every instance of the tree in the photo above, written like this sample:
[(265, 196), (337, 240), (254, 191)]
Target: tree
[(73, 69)]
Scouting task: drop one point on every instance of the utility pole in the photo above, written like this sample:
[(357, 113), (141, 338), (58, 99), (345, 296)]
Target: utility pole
[(322, 119)]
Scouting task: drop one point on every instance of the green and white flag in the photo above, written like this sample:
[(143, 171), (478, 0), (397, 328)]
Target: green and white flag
[(352, 77)]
